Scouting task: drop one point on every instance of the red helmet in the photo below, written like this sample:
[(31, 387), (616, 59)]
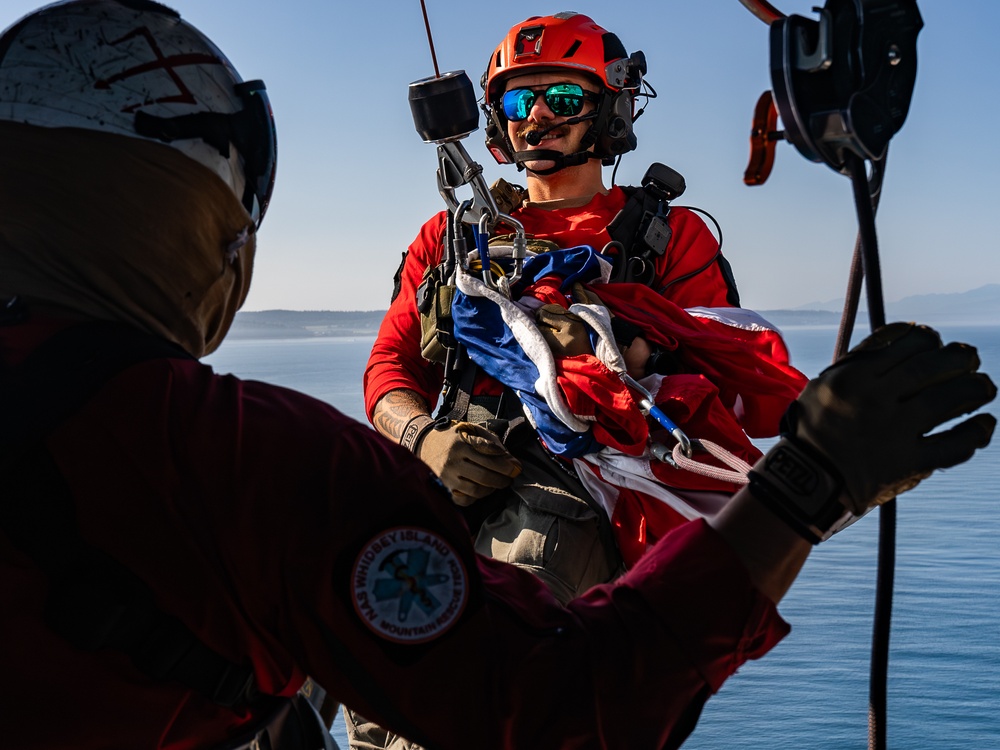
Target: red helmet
[(567, 41)]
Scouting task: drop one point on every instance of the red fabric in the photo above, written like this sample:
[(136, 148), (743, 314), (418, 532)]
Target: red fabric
[(746, 385), (749, 365), (596, 394), (641, 518), (637, 521), (395, 361), (243, 506), (547, 291)]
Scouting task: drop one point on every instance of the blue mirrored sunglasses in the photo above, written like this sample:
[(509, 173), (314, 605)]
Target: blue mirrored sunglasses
[(564, 99)]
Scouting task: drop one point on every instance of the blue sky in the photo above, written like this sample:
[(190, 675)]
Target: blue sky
[(355, 181)]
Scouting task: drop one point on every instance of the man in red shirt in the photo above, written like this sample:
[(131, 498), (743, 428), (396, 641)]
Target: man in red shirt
[(560, 96), (179, 549)]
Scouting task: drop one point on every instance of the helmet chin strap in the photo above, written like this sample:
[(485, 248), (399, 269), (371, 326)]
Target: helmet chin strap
[(561, 160)]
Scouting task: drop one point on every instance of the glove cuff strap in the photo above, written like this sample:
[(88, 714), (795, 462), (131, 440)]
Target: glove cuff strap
[(799, 485), (415, 431)]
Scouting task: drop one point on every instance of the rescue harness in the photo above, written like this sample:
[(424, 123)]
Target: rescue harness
[(640, 233)]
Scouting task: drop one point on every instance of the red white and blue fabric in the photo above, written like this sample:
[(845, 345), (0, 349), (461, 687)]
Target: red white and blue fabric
[(736, 383), (501, 336)]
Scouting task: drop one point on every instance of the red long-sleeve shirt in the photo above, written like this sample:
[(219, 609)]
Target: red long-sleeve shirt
[(272, 526), (395, 361)]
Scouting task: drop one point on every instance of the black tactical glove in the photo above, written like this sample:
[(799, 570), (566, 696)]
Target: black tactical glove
[(858, 434)]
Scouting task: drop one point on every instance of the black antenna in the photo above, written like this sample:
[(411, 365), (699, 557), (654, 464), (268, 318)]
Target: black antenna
[(430, 39)]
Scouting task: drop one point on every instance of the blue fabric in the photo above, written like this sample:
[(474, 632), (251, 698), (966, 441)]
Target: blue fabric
[(479, 325)]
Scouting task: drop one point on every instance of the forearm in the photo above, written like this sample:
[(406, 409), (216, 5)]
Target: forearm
[(772, 553), (651, 646), (395, 410)]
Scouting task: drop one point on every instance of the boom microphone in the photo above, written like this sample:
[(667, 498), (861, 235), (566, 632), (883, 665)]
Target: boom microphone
[(535, 136)]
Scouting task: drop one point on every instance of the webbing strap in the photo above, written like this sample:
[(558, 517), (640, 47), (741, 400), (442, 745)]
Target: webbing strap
[(460, 394), (95, 602)]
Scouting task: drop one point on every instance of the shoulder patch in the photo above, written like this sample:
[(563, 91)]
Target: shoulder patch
[(409, 585)]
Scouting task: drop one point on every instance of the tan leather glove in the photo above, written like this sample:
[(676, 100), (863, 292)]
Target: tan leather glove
[(564, 332), (857, 436), (469, 459)]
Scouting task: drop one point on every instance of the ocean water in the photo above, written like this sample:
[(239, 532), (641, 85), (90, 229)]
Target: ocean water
[(812, 690)]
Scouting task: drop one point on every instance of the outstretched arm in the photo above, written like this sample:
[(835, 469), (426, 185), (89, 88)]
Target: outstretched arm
[(394, 600), (856, 438)]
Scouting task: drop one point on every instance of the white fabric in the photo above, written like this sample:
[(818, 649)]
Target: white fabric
[(525, 331)]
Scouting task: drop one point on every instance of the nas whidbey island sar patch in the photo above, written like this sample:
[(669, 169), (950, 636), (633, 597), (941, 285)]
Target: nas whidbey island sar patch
[(409, 585)]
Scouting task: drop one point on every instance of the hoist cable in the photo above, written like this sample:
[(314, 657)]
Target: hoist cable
[(881, 624), (856, 275), (865, 266), (430, 39)]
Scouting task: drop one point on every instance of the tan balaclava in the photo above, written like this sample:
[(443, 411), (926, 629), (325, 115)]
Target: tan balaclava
[(135, 166), (100, 226)]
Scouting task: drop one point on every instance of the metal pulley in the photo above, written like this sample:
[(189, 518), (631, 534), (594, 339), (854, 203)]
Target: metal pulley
[(841, 84)]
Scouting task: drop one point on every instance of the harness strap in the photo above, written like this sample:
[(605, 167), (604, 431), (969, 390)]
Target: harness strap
[(458, 397), (95, 602), (640, 232)]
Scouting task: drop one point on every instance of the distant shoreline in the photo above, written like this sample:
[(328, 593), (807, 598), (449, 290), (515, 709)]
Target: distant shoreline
[(286, 324)]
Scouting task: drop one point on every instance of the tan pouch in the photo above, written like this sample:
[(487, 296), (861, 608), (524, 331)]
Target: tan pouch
[(438, 313)]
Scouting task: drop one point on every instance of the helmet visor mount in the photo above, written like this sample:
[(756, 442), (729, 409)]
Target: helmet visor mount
[(250, 130)]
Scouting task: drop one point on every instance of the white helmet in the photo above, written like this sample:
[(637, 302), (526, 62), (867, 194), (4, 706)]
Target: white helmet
[(134, 68)]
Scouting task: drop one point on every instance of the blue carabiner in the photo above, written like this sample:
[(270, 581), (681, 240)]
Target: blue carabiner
[(482, 237), (648, 407)]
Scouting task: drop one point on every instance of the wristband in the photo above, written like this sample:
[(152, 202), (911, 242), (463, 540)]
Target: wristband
[(415, 430), (799, 486)]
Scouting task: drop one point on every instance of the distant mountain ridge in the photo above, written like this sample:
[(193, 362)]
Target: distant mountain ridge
[(976, 306), (980, 306)]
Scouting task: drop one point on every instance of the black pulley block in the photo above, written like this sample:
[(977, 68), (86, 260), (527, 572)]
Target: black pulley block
[(843, 84)]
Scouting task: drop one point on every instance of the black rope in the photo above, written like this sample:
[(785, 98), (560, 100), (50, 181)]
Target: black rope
[(887, 512), (430, 39), (857, 273)]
